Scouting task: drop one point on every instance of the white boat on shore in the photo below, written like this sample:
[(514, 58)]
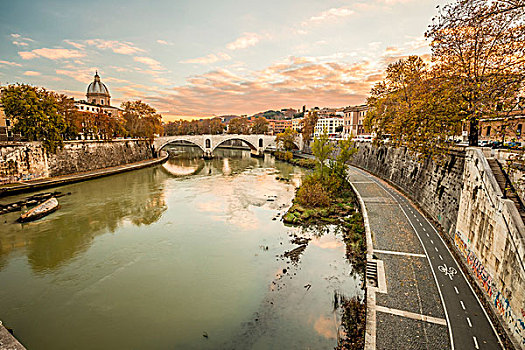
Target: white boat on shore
[(40, 211)]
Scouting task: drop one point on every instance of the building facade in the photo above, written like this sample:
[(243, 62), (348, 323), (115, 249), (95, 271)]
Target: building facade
[(278, 126), (354, 118), (332, 125), (6, 125)]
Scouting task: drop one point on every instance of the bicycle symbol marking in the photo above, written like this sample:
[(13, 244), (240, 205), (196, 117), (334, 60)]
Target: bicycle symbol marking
[(448, 271)]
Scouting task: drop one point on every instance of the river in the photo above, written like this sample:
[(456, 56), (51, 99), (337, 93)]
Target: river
[(184, 255)]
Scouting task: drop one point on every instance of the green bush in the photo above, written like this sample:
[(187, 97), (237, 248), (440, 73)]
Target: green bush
[(312, 193)]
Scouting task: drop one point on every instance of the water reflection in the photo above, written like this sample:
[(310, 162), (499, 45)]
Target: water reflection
[(94, 207), (152, 258)]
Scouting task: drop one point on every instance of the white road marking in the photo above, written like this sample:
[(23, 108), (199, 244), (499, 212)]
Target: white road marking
[(448, 271), (431, 241), (424, 229), (436, 249), (462, 305), (475, 342), (399, 253), (469, 323), (428, 235), (411, 315), (435, 278), (440, 257), (457, 291), (420, 224)]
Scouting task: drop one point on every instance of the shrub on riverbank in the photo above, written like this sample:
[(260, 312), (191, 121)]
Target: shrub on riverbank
[(288, 157)]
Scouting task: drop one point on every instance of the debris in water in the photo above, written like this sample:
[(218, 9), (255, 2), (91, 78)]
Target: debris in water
[(205, 334)]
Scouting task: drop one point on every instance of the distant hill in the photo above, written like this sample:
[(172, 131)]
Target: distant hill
[(271, 114)]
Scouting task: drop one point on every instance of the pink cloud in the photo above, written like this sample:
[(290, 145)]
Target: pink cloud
[(294, 82), (123, 48), (331, 14), (7, 63), (211, 58), (31, 73), (244, 41), (150, 62), (52, 54)]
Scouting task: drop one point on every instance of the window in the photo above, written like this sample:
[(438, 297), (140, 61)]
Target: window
[(7, 122), (488, 130), (81, 107), (101, 102)]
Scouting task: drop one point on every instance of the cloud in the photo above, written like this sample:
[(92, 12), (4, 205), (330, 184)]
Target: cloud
[(31, 73), (83, 75), (20, 41), (244, 41), (211, 58), (294, 81), (153, 64), (164, 42), (123, 48), (52, 54), (330, 14), (8, 63), (75, 44)]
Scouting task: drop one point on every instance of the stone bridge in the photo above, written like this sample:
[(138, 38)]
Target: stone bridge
[(207, 143)]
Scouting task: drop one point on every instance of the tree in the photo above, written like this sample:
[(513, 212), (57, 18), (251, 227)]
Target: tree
[(338, 167), (141, 120), (216, 126), (286, 139), (480, 46), (260, 126), (238, 126), (35, 113), (309, 123), (322, 150), (419, 109)]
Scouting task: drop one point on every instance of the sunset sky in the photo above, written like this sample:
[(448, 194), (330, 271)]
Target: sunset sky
[(201, 58)]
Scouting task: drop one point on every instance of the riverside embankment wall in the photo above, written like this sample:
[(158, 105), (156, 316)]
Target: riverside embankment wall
[(462, 195), (29, 161)]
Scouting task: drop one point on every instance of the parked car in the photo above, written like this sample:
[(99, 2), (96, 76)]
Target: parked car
[(484, 143)]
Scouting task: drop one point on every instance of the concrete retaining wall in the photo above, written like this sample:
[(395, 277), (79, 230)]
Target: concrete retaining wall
[(490, 236), (462, 195), (434, 186), (29, 161)]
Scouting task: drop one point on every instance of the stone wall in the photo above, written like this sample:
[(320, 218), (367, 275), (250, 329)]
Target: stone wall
[(434, 186), (22, 161), (29, 161), (79, 156), (490, 236)]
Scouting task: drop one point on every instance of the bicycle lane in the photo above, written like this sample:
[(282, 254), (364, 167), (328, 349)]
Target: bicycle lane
[(467, 320)]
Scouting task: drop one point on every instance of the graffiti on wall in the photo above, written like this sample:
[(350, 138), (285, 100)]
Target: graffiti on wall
[(500, 301)]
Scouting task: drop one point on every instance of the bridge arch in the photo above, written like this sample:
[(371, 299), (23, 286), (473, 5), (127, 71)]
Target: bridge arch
[(235, 138), (185, 139)]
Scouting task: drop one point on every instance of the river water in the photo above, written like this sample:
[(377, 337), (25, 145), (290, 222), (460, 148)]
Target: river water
[(184, 255)]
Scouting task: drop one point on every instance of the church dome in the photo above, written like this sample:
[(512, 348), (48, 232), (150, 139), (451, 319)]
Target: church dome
[(97, 92), (97, 87)]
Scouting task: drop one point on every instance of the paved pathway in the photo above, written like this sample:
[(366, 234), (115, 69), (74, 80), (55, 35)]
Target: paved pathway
[(423, 300)]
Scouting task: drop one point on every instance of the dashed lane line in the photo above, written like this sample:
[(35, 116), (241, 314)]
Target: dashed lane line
[(457, 291), (475, 342), (462, 305), (440, 257), (469, 323)]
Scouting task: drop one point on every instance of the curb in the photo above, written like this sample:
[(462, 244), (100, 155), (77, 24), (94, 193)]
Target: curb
[(370, 328)]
